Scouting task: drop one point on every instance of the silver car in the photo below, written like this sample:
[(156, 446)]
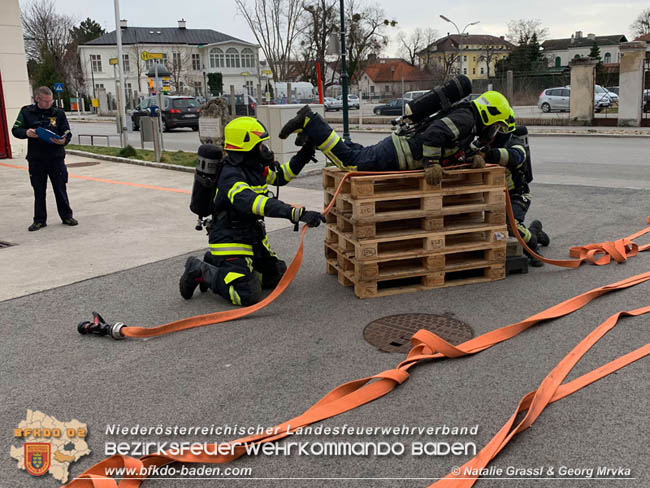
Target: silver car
[(558, 99)]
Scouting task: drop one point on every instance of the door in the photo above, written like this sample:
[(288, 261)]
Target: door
[(564, 98), (5, 147)]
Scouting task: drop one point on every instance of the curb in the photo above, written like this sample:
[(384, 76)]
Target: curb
[(138, 162)]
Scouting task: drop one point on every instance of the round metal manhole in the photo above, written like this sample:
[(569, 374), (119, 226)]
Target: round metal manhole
[(80, 165), (393, 333)]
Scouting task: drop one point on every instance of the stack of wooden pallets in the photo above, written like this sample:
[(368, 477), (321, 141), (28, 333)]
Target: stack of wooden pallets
[(390, 234)]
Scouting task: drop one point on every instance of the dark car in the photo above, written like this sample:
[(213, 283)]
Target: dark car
[(394, 107), (176, 111), (242, 107)]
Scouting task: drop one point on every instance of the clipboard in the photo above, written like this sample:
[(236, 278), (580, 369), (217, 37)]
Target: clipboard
[(46, 135)]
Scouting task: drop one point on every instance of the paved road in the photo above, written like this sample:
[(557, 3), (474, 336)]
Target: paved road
[(278, 362)]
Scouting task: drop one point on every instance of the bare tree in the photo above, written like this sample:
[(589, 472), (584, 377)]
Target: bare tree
[(276, 27), (490, 55), (365, 26), (411, 46), (448, 62), (180, 61), (47, 34), (521, 31), (641, 25), (318, 23)]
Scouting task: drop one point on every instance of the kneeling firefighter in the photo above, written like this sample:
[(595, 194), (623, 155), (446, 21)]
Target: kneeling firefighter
[(432, 135), (240, 262), (511, 150)]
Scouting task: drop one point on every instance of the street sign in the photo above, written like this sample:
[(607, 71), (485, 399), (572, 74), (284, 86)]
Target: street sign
[(112, 61), (58, 87), (267, 72), (146, 56), (245, 73)]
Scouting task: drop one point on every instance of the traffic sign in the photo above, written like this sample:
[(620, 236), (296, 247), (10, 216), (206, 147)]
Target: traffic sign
[(267, 72), (245, 73), (112, 61), (58, 87), (146, 56)]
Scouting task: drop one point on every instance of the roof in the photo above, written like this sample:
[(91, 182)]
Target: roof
[(557, 44), (394, 69), (452, 41), (164, 35), (645, 37)]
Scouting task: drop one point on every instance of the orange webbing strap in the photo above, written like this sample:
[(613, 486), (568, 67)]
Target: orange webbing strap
[(348, 396), (550, 390), (598, 254)]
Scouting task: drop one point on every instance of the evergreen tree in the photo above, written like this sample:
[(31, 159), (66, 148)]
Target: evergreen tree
[(87, 31), (595, 51), (215, 83)]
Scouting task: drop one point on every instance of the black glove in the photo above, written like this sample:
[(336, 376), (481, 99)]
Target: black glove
[(307, 153), (309, 217), (493, 156)]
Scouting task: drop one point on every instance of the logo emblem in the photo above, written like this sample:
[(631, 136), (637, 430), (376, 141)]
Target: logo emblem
[(52, 121), (37, 458)]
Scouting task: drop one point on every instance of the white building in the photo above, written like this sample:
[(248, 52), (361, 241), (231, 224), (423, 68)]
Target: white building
[(559, 52), (14, 84), (189, 54)]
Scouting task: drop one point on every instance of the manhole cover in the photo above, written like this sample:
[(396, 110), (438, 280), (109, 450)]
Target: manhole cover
[(6, 244), (393, 333), (80, 165)]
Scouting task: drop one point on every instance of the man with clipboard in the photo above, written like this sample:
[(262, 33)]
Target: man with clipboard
[(47, 131)]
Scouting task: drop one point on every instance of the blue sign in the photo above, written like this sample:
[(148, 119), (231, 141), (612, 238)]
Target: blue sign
[(58, 87)]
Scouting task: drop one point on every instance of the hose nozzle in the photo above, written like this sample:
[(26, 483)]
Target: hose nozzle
[(99, 327)]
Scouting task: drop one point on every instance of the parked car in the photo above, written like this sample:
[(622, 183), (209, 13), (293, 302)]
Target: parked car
[(332, 104), (412, 95), (558, 99), (394, 107), (242, 107), (602, 95), (614, 89), (353, 101), (176, 111)]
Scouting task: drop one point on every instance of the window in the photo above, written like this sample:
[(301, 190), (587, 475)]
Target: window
[(247, 58), (149, 63), (99, 85), (249, 87), (565, 92), (96, 62), (464, 71), (125, 63), (608, 58), (473, 71), (464, 58), (176, 61), (474, 58), (386, 88), (164, 60), (232, 58), (216, 58), (372, 88), (558, 62), (196, 62), (482, 70)]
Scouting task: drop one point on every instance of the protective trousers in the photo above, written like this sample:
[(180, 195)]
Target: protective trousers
[(240, 279), (520, 205), (39, 171), (351, 156)]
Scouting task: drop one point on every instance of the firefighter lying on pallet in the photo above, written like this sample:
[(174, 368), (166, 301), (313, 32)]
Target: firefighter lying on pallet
[(511, 150), (240, 261), (434, 145)]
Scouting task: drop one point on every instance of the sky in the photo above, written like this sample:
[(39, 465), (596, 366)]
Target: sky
[(561, 17)]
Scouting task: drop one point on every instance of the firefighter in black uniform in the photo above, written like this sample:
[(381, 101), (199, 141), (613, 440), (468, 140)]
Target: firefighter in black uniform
[(433, 147), (45, 158), (240, 262), (510, 150)]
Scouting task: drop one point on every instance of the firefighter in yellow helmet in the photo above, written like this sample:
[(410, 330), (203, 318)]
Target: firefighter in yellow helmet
[(240, 262), (439, 142)]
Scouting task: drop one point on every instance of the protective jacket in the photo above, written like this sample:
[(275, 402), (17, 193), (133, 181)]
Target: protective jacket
[(512, 151), (32, 117), (243, 200)]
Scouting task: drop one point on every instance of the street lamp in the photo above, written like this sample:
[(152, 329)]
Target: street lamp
[(344, 76), (460, 42)]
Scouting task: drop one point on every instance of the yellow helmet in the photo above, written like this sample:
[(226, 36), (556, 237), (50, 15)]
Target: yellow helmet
[(494, 108), (243, 134), (510, 122)]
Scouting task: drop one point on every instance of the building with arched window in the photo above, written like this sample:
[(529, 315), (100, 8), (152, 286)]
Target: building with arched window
[(189, 54), (559, 52)]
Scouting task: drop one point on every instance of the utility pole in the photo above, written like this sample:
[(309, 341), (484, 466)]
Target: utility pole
[(344, 77), (124, 140), (460, 41)]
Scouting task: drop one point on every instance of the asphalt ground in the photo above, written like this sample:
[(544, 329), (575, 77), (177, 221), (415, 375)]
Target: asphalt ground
[(273, 365)]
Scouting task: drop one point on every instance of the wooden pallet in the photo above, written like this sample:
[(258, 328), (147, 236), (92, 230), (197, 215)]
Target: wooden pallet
[(417, 243), (381, 185), (464, 220), (404, 267), (417, 280)]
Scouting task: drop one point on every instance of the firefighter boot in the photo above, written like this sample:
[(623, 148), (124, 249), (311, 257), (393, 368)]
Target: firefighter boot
[(295, 124), (191, 278), (532, 260), (542, 237)]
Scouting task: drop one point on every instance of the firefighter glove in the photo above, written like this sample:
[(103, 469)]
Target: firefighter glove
[(433, 173), (309, 217)]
